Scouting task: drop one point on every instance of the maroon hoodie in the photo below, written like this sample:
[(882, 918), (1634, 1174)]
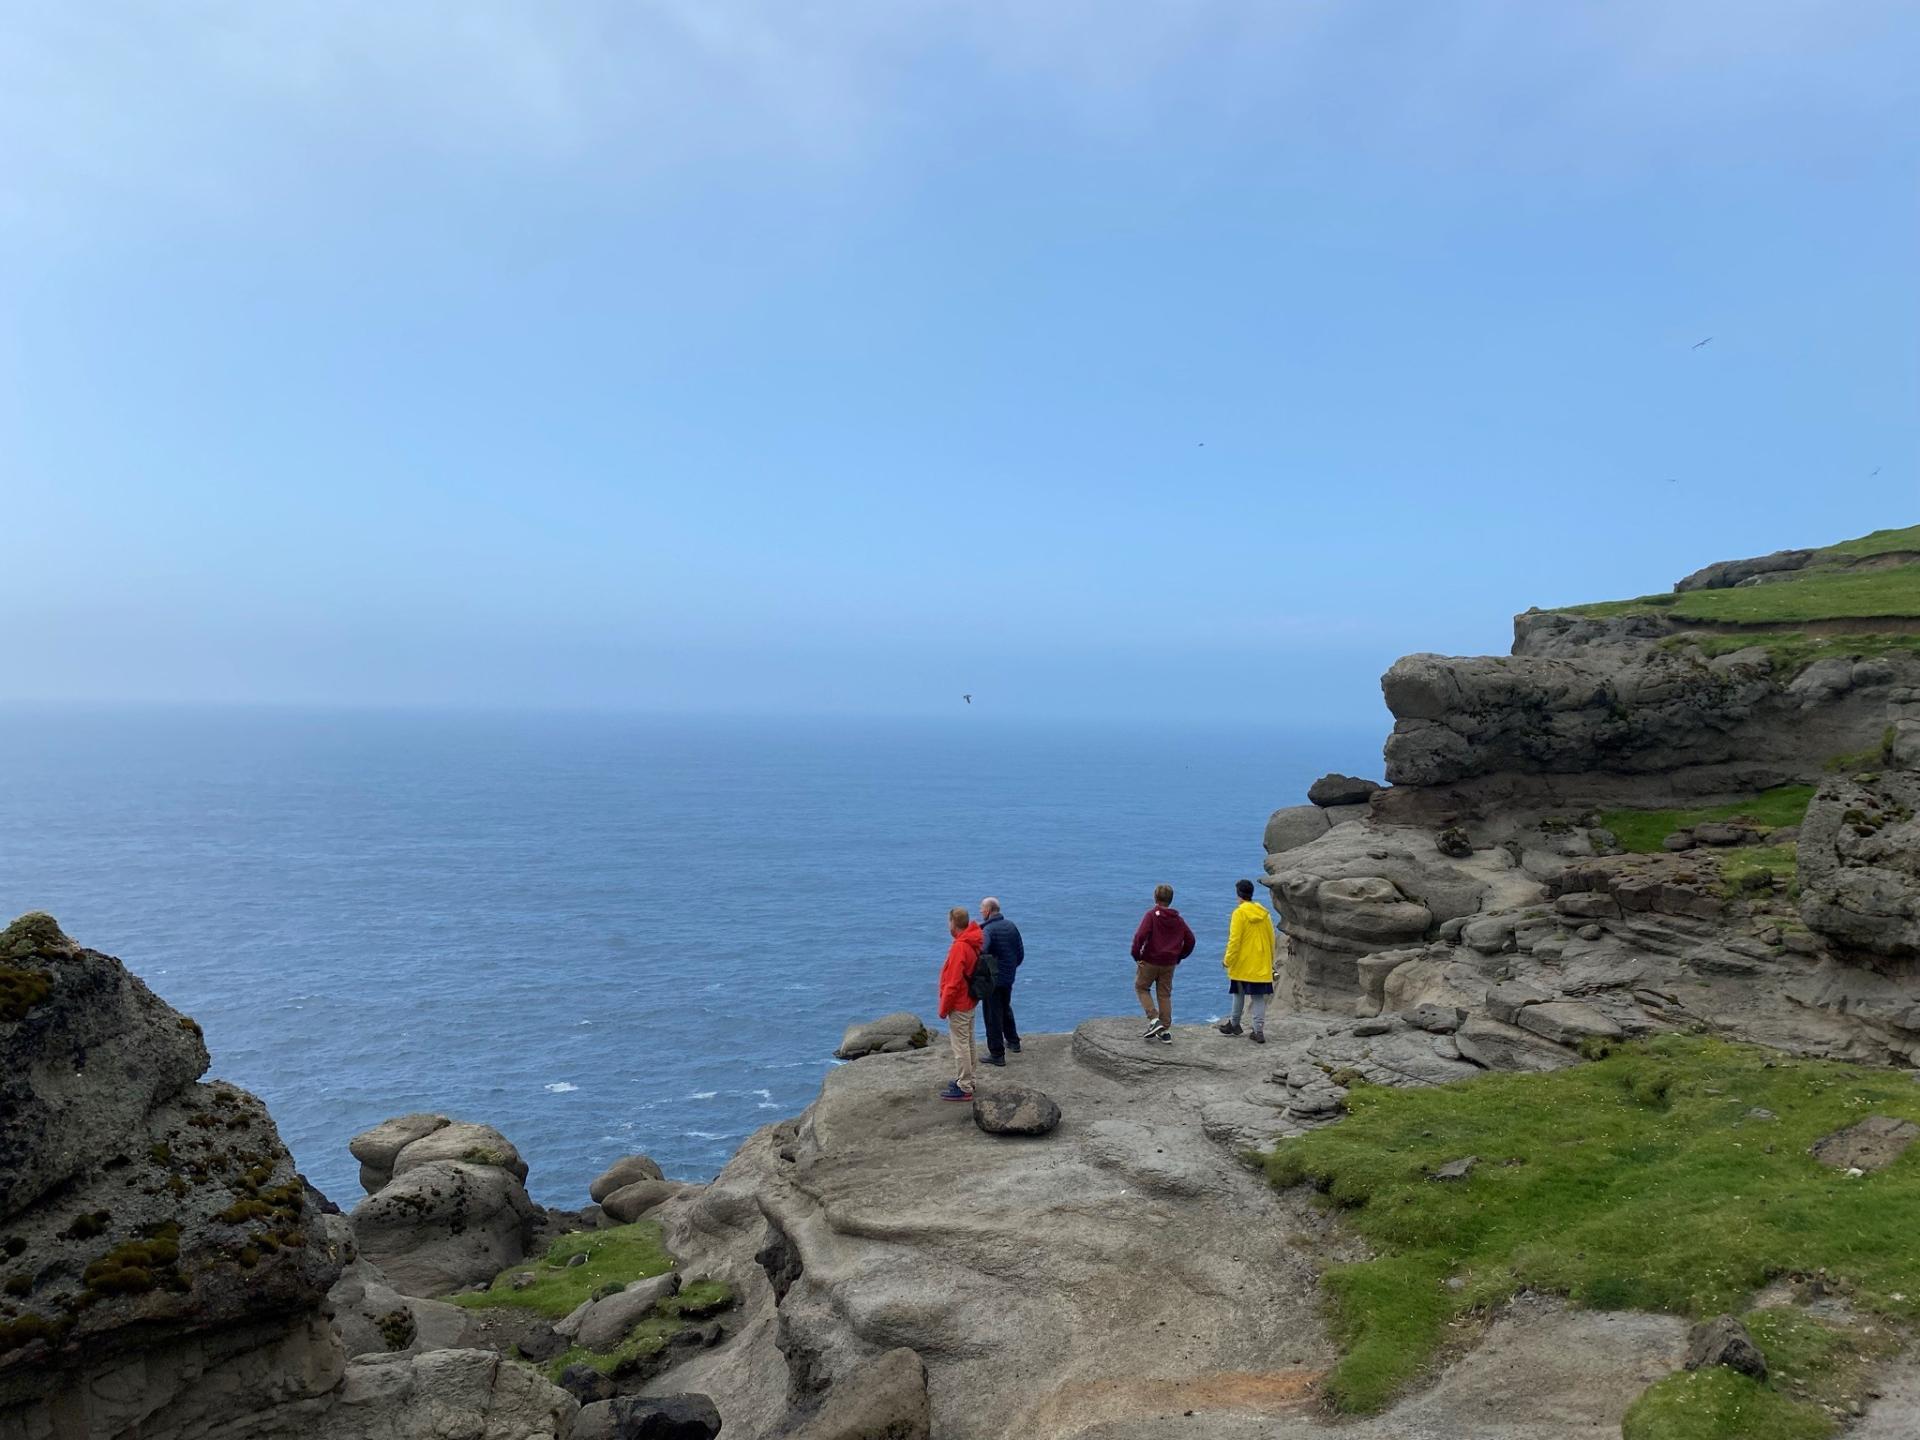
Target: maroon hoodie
[(1163, 937)]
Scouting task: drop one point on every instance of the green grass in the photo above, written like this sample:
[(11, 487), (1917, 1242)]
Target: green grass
[(1643, 831), (1755, 867), (1880, 542), (614, 1257), (1813, 594), (1810, 1365), (1636, 1182), (1714, 1403)]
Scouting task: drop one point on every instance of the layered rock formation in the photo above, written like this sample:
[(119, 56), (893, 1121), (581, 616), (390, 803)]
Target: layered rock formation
[(1487, 861)]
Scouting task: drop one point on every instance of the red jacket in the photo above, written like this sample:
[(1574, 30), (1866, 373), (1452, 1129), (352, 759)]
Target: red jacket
[(1163, 937), (962, 956)]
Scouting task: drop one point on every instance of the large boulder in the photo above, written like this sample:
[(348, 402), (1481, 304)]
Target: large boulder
[(445, 1225), (889, 1035), (1293, 826), (1859, 862), (466, 1142), (166, 1267), (630, 1202), (378, 1148), (1337, 789), (373, 1318), (89, 1051), (605, 1323), (623, 1172)]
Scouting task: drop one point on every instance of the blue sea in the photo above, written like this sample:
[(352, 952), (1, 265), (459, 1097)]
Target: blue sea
[(609, 933)]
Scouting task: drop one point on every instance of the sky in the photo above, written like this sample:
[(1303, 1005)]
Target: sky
[(1183, 359)]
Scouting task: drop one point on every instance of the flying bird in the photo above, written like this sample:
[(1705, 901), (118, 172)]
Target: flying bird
[(967, 698), (1707, 341), (1876, 471)]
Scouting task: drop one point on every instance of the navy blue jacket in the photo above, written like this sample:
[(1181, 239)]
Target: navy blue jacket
[(1001, 948)]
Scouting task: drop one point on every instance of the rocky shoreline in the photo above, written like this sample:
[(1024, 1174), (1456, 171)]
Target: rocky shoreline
[(1618, 831)]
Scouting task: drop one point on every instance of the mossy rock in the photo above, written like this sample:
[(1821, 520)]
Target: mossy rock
[(36, 935)]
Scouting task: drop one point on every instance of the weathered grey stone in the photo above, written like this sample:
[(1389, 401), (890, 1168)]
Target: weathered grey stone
[(622, 1173), (1014, 1110), (1588, 905), (630, 1202), (883, 1399), (1567, 1022), (1336, 789), (465, 1142), (1435, 1019), (901, 1030), (378, 1148), (444, 1225), (1723, 1340), (1294, 826), (607, 1321), (1870, 1144), (1455, 1169), (649, 1417), (1508, 999), (1725, 574), (128, 1051), (1859, 865)]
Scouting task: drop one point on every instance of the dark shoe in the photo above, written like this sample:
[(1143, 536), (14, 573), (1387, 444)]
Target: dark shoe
[(1230, 1027), (1153, 1029), (1259, 1037), (1000, 1060), (1013, 1047), (955, 1093), (1166, 1037)]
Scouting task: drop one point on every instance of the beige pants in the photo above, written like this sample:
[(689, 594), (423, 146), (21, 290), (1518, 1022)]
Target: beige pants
[(960, 1036)]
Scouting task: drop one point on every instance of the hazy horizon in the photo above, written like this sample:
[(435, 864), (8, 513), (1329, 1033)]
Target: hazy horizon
[(1188, 363)]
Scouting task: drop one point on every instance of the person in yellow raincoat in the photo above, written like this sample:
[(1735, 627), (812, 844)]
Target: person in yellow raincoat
[(1249, 963)]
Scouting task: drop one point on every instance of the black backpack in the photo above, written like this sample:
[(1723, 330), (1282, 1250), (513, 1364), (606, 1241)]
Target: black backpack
[(980, 983)]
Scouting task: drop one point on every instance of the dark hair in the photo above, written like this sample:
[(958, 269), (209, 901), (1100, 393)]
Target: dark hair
[(1244, 889), (1163, 894)]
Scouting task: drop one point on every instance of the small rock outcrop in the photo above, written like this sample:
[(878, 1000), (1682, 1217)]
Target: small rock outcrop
[(1871, 1144), (883, 1399), (889, 1035), (630, 1170), (1723, 1340)]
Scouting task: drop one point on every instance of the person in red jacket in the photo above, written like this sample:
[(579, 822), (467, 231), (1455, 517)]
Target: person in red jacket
[(1162, 942), (957, 1001)]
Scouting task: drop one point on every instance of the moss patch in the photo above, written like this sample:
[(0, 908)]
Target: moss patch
[(615, 1258), (1753, 869), (1791, 651), (35, 935), (20, 990), (1638, 1182), (1880, 542), (1643, 831)]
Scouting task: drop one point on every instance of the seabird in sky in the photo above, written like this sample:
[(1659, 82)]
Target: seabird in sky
[(967, 698), (1707, 341)]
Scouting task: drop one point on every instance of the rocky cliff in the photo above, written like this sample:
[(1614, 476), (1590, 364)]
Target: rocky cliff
[(1692, 809)]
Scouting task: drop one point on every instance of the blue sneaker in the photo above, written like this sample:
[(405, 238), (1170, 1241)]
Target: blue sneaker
[(954, 1092)]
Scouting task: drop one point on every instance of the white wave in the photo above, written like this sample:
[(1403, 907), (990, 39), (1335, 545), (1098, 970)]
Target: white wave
[(766, 1105), (710, 1135), (763, 1094), (703, 1095), (562, 1087)]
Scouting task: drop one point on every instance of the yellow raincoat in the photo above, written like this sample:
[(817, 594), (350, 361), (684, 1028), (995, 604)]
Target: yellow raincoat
[(1250, 944)]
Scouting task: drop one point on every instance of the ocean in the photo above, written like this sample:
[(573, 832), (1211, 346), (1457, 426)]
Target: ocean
[(609, 933)]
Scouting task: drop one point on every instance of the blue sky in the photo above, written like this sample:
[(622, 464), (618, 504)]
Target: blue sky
[(1182, 359)]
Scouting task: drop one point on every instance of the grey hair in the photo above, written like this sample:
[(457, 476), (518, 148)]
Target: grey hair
[(989, 906)]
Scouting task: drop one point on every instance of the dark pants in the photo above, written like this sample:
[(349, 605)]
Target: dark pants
[(1001, 1031)]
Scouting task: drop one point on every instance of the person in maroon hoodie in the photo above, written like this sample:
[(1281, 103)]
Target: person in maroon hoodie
[(1162, 942), (957, 1000)]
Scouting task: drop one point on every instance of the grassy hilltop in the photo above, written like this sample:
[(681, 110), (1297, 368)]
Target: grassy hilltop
[(1855, 599)]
